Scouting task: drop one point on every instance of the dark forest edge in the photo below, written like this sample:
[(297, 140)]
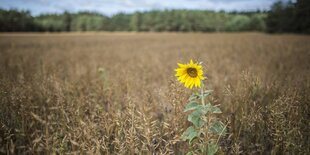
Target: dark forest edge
[(283, 17)]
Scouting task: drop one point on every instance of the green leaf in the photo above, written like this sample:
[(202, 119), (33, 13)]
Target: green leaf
[(215, 109), (194, 97), (206, 93), (206, 108), (189, 153), (218, 128), (212, 148), (190, 134), (210, 108), (191, 106), (195, 118)]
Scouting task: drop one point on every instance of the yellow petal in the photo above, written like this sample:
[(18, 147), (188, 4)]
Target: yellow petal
[(201, 77), (181, 65), (191, 86), (199, 84), (184, 77), (179, 73), (187, 83), (191, 62), (192, 82)]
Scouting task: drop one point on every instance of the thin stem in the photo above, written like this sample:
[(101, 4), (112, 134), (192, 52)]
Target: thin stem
[(202, 97), (221, 134)]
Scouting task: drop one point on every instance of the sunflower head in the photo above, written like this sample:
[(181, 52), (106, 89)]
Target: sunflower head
[(190, 74)]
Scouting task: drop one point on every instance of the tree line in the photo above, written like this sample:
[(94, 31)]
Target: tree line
[(289, 17), (167, 20), (283, 17)]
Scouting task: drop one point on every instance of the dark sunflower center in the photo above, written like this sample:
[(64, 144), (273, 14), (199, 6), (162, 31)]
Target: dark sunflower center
[(192, 72)]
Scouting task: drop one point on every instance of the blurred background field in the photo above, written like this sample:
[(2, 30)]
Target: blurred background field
[(98, 77), (115, 93)]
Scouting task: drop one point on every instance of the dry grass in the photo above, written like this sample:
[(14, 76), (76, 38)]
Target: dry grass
[(115, 93)]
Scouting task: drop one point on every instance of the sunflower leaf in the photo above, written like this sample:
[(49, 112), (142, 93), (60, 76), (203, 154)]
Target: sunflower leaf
[(212, 148), (217, 128), (194, 97), (216, 110), (191, 106), (206, 93), (206, 108), (195, 118), (190, 134), (189, 153)]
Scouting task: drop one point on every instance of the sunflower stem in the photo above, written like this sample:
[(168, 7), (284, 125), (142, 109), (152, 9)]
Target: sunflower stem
[(202, 97)]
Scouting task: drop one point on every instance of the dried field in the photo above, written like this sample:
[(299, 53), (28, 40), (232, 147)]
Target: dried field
[(115, 93)]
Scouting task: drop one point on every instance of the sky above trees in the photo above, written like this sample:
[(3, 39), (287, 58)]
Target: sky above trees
[(110, 7)]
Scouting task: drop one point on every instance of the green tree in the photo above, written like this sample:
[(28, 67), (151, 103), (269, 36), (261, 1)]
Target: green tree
[(67, 21), (120, 22), (281, 18), (257, 22), (14, 20), (135, 21), (238, 23), (302, 16)]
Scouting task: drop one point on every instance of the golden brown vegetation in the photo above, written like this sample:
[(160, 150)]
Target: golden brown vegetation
[(115, 93)]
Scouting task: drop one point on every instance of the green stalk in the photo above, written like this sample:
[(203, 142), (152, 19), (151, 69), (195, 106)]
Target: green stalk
[(202, 97)]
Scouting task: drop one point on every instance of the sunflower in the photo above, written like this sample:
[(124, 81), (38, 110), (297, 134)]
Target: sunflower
[(190, 74)]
